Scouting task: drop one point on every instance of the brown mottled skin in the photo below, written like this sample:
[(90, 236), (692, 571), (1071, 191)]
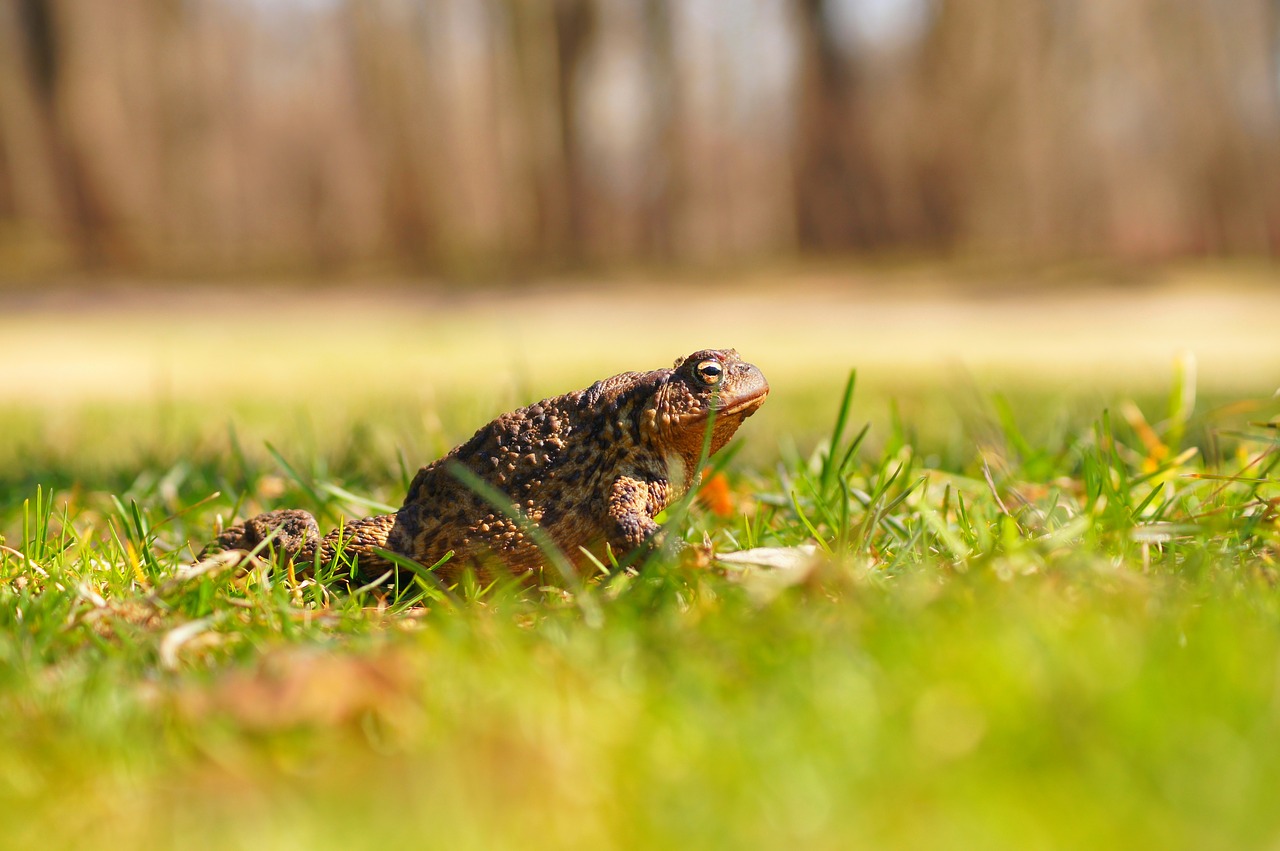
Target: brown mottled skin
[(590, 468)]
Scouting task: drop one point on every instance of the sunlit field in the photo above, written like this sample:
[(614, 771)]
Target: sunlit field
[(1012, 585)]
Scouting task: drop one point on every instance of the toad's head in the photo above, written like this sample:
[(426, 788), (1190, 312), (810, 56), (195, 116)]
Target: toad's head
[(713, 391)]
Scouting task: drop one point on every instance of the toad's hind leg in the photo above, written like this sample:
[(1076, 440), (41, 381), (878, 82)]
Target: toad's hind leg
[(358, 540), (296, 535)]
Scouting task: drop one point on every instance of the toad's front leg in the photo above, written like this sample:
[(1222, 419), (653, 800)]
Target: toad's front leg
[(633, 502)]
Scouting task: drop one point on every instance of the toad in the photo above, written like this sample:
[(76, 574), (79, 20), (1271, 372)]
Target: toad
[(581, 472)]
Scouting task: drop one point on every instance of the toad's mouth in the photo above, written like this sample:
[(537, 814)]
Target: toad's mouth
[(745, 406)]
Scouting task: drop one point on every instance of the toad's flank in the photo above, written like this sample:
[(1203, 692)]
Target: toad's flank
[(590, 468)]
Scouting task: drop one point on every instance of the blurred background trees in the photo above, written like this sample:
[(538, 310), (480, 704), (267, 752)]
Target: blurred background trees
[(489, 136)]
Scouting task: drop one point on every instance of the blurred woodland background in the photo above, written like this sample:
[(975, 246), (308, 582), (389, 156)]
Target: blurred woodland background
[(479, 137)]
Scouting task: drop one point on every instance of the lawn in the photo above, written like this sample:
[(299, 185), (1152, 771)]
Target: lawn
[(1031, 605)]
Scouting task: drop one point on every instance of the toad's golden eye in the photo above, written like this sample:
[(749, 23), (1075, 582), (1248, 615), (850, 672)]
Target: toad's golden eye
[(710, 371)]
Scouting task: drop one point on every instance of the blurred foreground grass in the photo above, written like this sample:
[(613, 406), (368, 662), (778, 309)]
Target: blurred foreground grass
[(1042, 613)]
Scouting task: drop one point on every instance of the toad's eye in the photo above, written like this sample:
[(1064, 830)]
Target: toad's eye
[(710, 371)]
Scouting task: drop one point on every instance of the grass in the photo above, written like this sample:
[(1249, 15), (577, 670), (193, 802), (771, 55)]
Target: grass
[(1030, 626)]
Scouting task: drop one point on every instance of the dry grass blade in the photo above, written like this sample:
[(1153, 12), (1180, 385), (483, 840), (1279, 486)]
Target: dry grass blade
[(217, 563), (991, 484), (25, 560)]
